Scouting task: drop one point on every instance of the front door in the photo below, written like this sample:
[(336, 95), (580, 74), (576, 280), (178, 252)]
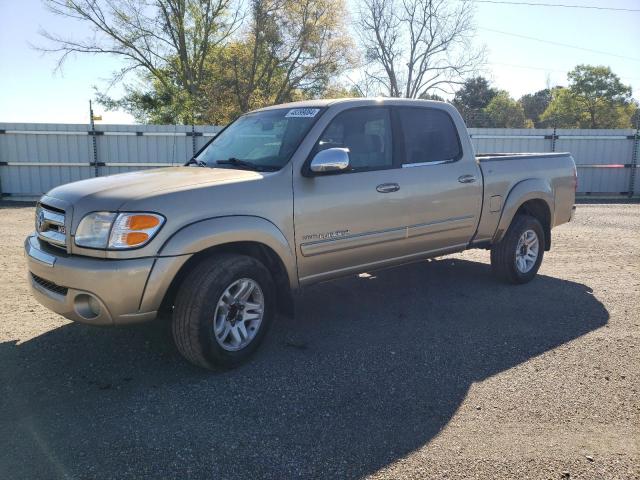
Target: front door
[(346, 221)]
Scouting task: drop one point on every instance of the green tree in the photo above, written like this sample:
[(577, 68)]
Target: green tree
[(475, 94), (339, 90), (564, 110), (595, 98), (505, 112), (471, 100), (598, 89), (534, 105), (635, 116)]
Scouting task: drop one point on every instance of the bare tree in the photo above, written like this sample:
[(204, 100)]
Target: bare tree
[(203, 59), (168, 39), (416, 47)]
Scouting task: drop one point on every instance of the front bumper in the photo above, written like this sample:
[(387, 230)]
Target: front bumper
[(90, 290)]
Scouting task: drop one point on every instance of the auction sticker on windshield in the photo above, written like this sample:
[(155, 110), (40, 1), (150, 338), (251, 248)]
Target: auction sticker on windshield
[(302, 112)]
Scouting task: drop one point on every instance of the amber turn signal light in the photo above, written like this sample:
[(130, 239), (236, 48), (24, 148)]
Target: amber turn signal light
[(135, 238), (142, 222)]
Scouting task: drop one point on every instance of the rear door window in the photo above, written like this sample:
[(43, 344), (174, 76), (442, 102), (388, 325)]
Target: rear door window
[(429, 135)]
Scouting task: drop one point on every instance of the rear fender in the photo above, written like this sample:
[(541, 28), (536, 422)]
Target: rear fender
[(531, 189)]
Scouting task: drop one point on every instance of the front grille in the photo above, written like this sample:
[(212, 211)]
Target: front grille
[(52, 208), (50, 225), (52, 287)]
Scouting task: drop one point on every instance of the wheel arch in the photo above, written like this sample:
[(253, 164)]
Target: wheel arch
[(243, 235), (532, 197)]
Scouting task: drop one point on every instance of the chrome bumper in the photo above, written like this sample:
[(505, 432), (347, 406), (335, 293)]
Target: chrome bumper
[(89, 290)]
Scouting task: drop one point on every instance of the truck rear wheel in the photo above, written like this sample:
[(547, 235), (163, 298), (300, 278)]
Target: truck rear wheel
[(517, 257), (223, 310)]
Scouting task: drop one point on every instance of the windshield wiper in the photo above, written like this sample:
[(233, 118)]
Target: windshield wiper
[(236, 162), (195, 161)]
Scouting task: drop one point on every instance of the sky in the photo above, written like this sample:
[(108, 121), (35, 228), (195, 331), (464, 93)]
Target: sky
[(32, 91)]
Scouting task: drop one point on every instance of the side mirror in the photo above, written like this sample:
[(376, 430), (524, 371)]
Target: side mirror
[(330, 160)]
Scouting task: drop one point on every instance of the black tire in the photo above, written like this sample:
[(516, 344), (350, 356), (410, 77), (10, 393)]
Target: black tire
[(503, 254), (193, 317)]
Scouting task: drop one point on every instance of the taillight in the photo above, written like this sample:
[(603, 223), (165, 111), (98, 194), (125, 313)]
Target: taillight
[(575, 178)]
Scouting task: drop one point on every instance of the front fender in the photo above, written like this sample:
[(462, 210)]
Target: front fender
[(212, 232), (531, 189)]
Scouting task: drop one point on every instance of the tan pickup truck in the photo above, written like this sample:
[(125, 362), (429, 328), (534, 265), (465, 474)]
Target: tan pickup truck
[(284, 197)]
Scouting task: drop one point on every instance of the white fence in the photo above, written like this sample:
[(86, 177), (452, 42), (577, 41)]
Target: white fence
[(35, 158)]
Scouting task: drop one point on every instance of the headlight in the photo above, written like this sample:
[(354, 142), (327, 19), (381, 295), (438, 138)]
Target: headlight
[(93, 231), (117, 231)]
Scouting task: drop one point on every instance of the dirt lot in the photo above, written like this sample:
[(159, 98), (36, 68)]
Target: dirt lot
[(426, 371)]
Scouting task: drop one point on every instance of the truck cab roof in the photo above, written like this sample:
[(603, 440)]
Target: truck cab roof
[(357, 101)]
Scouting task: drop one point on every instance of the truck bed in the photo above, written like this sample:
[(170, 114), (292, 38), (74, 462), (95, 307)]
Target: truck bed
[(550, 173)]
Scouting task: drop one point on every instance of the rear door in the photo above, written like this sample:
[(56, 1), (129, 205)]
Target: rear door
[(443, 183)]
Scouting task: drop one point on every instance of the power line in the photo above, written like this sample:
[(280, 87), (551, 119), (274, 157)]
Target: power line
[(561, 5), (560, 44), (530, 67)]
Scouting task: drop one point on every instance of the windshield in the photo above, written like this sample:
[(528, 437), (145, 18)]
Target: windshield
[(261, 140)]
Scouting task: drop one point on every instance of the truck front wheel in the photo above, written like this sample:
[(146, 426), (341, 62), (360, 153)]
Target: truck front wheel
[(223, 310), (517, 257)]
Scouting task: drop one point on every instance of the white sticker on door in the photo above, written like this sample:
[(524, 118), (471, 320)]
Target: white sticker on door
[(302, 112)]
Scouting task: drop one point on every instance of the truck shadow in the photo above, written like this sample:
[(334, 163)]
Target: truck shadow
[(371, 369)]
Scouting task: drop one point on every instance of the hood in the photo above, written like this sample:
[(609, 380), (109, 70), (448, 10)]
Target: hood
[(111, 192)]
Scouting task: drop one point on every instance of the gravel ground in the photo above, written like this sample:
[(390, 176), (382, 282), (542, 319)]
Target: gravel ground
[(426, 371)]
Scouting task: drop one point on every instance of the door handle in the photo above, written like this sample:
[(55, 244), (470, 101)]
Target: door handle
[(388, 187), (466, 179)]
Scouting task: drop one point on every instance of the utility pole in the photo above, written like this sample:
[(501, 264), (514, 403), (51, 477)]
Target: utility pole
[(93, 138)]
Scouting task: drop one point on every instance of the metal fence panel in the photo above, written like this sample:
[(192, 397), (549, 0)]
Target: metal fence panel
[(41, 158), (603, 158), (36, 157), (510, 140)]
